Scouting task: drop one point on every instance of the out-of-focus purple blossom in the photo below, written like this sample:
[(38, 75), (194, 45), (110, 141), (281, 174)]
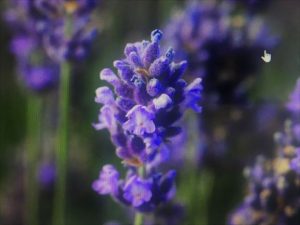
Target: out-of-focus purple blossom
[(36, 70), (47, 174), (40, 78), (65, 30), (222, 42), (274, 188), (293, 104), (41, 40), (142, 113), (221, 46)]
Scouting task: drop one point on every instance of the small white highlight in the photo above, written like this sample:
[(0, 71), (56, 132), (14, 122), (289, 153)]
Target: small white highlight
[(266, 57)]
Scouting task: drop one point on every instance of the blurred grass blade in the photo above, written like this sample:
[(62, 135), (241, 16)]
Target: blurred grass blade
[(34, 106)]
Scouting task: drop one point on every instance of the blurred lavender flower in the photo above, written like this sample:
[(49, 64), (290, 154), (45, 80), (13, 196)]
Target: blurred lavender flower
[(47, 174), (274, 185), (61, 15), (39, 42), (36, 69), (222, 47), (141, 115), (293, 105)]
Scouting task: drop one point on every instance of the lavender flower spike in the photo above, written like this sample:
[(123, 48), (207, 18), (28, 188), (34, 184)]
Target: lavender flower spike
[(274, 187), (142, 113), (26, 45), (149, 97), (40, 42)]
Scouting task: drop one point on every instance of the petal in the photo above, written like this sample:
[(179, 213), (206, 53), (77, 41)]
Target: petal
[(135, 59), (150, 54), (109, 76), (162, 101), (99, 126), (160, 67), (129, 48), (125, 103), (124, 90), (140, 120), (154, 87), (150, 127), (104, 95)]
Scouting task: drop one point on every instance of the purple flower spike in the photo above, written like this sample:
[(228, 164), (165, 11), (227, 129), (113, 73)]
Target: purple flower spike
[(149, 97), (274, 187), (104, 96), (142, 113), (40, 44), (162, 101)]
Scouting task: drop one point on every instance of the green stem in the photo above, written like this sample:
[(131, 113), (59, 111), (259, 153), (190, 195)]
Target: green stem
[(33, 144), (205, 185), (139, 217), (62, 146), (62, 136)]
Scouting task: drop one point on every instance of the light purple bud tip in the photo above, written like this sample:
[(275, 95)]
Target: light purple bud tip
[(156, 35), (170, 54)]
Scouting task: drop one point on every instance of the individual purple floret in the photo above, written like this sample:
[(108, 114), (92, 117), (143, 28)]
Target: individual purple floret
[(142, 113), (108, 181), (274, 185)]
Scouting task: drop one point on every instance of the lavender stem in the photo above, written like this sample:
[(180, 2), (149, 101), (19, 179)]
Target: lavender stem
[(33, 141), (62, 139), (62, 146)]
